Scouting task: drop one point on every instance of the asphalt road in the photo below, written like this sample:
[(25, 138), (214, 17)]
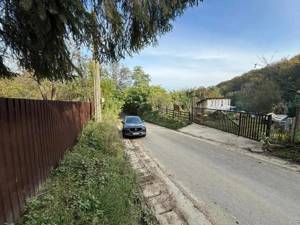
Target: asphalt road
[(231, 187)]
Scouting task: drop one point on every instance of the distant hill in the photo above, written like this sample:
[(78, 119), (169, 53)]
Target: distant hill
[(284, 75)]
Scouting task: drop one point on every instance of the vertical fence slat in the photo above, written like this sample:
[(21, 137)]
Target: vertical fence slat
[(26, 149), (257, 127), (5, 202), (252, 126), (22, 180), (14, 160), (248, 125), (30, 133), (34, 136)]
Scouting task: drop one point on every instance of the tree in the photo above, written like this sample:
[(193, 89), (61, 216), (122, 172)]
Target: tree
[(182, 98), (120, 74), (159, 98), (137, 100), (27, 86), (258, 96), (140, 78), (20, 87), (210, 92), (38, 33)]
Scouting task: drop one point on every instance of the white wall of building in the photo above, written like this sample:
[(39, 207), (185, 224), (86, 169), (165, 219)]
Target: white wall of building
[(221, 104)]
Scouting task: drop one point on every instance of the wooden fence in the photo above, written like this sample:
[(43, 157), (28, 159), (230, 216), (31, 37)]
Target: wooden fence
[(179, 115), (251, 125), (34, 135)]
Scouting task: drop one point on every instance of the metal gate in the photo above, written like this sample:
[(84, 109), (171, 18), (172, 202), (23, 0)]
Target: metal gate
[(250, 125)]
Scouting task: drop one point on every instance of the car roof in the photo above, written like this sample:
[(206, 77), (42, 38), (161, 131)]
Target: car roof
[(132, 117), (128, 117)]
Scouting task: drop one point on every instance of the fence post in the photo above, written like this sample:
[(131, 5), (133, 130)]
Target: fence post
[(297, 123), (268, 132), (297, 119), (240, 122), (192, 114)]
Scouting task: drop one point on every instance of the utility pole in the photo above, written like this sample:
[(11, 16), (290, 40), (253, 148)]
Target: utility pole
[(97, 81), (97, 90)]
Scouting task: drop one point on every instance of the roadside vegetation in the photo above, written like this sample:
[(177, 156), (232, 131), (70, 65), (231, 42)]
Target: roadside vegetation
[(272, 88), (291, 153), (165, 121), (93, 184), (131, 92)]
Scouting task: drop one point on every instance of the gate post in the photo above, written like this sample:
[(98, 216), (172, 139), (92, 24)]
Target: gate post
[(240, 122), (297, 119), (268, 132)]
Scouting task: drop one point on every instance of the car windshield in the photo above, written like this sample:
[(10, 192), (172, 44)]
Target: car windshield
[(133, 120)]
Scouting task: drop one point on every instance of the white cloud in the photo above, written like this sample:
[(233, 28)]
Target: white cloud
[(187, 67)]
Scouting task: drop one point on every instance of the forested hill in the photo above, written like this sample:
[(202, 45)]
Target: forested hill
[(263, 89)]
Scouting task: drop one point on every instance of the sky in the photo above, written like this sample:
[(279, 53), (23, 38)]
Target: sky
[(221, 39)]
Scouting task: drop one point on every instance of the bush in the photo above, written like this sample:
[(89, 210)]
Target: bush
[(289, 153), (297, 137), (94, 184), (156, 118)]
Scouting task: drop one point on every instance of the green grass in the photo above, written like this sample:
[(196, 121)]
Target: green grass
[(289, 153), (297, 137), (94, 184), (171, 123)]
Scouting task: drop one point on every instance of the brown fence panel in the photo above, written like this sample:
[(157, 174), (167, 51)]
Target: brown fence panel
[(250, 125), (184, 116), (34, 135)]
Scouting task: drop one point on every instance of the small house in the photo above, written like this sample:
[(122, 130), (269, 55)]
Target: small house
[(218, 103)]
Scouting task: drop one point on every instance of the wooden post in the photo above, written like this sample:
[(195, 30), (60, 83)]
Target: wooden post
[(97, 79), (97, 90), (268, 133), (297, 121), (240, 124)]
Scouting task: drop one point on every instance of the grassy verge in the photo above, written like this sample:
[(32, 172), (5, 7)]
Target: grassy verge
[(289, 153), (156, 118), (94, 184)]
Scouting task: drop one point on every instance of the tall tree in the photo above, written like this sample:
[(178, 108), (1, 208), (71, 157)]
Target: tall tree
[(37, 33), (139, 77), (119, 73), (259, 97)]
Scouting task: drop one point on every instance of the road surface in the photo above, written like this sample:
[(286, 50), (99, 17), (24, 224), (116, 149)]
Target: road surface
[(231, 187)]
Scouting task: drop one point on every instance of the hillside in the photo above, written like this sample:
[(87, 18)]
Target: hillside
[(273, 84)]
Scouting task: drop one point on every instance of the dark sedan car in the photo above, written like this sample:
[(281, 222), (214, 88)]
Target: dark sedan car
[(133, 126)]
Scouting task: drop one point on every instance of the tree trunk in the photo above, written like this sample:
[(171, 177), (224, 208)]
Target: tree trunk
[(97, 91), (43, 94), (53, 90)]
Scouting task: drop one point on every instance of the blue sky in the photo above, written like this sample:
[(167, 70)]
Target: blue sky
[(221, 39)]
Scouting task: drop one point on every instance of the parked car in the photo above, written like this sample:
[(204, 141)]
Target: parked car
[(133, 126)]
